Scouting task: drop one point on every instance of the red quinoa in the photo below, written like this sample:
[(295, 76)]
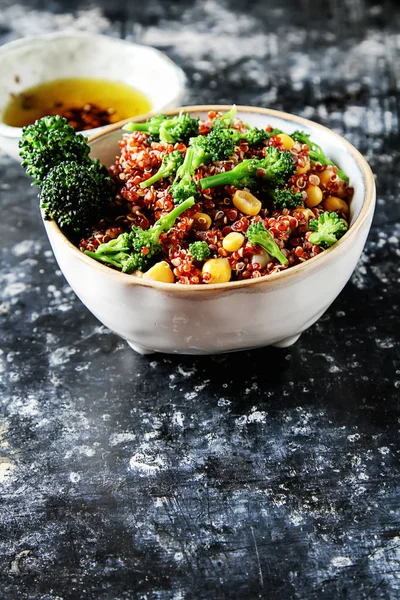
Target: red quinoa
[(140, 159)]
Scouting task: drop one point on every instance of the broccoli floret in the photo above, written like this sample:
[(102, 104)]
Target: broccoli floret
[(49, 141), (276, 168), (219, 144), (118, 253), (151, 126), (328, 229), (169, 166), (199, 251), (226, 120), (255, 136), (168, 129), (184, 185), (316, 153), (74, 195), (286, 198), (258, 234), (132, 251)]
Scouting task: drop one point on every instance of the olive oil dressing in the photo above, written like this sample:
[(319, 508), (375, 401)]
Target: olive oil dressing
[(85, 103)]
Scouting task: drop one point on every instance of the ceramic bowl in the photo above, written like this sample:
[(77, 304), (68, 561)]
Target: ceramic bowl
[(31, 61), (207, 319)]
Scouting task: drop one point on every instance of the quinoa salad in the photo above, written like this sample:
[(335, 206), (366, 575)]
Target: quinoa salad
[(192, 201)]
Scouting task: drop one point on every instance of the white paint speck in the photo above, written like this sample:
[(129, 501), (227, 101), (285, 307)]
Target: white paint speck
[(120, 438), (6, 468), (144, 464), (354, 437), (178, 418), (61, 356), (341, 561)]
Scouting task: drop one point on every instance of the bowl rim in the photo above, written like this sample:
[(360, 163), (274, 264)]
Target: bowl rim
[(274, 279), (10, 131)]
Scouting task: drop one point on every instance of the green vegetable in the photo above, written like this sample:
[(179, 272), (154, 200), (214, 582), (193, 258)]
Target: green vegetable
[(252, 135), (316, 153), (169, 165), (258, 234), (286, 198), (49, 141), (255, 136), (328, 229), (184, 185), (133, 251), (199, 251), (75, 194), (168, 129), (219, 144), (276, 168), (226, 120)]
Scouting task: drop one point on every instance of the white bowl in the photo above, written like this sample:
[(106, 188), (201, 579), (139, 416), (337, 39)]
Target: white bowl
[(207, 319), (31, 61)]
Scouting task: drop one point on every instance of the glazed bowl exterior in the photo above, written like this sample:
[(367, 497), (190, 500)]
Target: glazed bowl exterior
[(207, 319), (31, 61)]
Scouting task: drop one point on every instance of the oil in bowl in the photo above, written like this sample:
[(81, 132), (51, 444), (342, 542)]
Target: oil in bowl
[(85, 103)]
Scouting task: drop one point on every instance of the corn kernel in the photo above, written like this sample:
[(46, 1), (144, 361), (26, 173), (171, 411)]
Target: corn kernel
[(306, 212), (233, 241), (286, 140), (161, 271), (314, 196), (219, 269), (325, 177), (302, 170), (202, 221), (246, 202), (333, 203)]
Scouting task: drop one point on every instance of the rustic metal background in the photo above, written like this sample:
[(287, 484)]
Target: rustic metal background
[(267, 474)]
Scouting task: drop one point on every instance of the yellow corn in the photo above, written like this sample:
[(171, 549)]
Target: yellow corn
[(202, 221), (325, 177), (333, 203), (233, 241), (308, 214), (286, 140), (161, 271), (314, 196), (246, 202), (219, 269), (302, 170)]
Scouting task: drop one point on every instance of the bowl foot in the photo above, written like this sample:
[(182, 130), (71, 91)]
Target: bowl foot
[(289, 341), (139, 349)]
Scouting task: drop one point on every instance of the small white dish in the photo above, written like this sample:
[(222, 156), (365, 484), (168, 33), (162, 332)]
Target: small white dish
[(31, 61), (207, 319)]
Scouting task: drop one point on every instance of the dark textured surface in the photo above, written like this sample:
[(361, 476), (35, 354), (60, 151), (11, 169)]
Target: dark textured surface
[(266, 474)]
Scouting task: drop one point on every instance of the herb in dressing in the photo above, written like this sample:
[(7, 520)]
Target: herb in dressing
[(85, 103)]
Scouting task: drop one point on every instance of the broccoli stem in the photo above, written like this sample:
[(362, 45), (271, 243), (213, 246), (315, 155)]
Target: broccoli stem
[(116, 260), (137, 127), (167, 221), (125, 251), (227, 119), (276, 168), (242, 171), (169, 165), (258, 234), (316, 153)]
